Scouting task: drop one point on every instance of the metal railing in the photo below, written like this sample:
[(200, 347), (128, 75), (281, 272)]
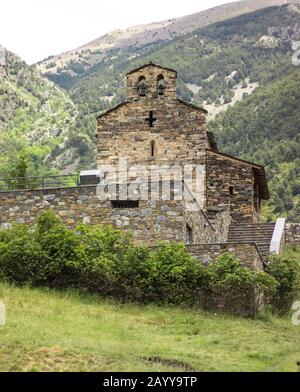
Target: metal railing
[(40, 182)]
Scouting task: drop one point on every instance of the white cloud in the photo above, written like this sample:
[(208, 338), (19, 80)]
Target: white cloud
[(35, 29)]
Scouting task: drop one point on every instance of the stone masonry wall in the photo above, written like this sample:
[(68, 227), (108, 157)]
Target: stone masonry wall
[(292, 233), (222, 173), (203, 232), (246, 252), (150, 222), (178, 136)]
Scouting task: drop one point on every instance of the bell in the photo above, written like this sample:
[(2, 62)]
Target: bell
[(142, 90), (161, 89)]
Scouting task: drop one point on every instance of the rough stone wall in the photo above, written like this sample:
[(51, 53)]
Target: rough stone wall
[(179, 131), (151, 74), (221, 173), (221, 225), (203, 232), (292, 233), (246, 252), (149, 223)]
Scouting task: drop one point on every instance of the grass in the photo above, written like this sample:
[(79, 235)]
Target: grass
[(73, 331)]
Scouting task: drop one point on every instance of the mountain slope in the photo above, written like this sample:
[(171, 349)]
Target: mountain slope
[(217, 65), (85, 57), (214, 64), (265, 128), (35, 116)]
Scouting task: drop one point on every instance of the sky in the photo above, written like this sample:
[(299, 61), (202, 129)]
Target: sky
[(36, 29)]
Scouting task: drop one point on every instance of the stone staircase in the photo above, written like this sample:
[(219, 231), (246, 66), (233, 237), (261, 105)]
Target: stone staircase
[(261, 234)]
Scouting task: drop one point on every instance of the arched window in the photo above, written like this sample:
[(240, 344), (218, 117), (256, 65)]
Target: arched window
[(161, 85), (142, 87), (152, 149)]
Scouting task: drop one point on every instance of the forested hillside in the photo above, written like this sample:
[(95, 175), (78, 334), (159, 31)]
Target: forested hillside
[(253, 48), (265, 128), (78, 61), (36, 118)]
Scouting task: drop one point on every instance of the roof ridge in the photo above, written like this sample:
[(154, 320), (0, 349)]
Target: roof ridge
[(151, 64)]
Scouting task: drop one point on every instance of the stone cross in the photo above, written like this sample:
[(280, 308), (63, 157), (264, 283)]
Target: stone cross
[(151, 119)]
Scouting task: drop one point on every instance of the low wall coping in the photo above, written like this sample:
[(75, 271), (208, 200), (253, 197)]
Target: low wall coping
[(278, 236), (230, 244)]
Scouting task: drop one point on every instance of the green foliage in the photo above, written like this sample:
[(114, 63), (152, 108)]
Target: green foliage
[(103, 260), (235, 286), (35, 117), (21, 167), (174, 274), (19, 172), (286, 271), (21, 258), (59, 246), (229, 276)]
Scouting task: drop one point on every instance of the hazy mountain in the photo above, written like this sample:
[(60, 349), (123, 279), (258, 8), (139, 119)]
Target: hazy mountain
[(92, 53)]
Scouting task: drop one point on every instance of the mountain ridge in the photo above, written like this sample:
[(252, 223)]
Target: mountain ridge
[(147, 34)]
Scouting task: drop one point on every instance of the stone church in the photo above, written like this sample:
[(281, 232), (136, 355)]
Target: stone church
[(154, 128)]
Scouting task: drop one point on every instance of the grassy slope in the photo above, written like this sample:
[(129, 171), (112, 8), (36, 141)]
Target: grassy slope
[(72, 331)]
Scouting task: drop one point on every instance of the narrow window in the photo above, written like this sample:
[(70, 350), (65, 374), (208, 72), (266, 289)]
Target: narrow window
[(161, 85), (142, 87), (189, 235), (231, 191), (152, 149), (125, 204)]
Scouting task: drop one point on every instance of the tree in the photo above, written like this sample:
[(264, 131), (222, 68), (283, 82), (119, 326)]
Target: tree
[(20, 172)]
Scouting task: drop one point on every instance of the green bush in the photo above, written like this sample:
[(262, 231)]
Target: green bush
[(21, 259), (58, 246), (99, 251), (286, 272), (103, 260), (175, 275), (235, 287)]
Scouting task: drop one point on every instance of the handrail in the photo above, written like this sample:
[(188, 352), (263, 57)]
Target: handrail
[(38, 182)]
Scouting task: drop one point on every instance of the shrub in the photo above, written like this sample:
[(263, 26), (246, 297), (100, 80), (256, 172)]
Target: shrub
[(59, 246), (175, 276), (99, 251), (132, 275), (235, 287), (286, 272), (103, 260), (21, 258)]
